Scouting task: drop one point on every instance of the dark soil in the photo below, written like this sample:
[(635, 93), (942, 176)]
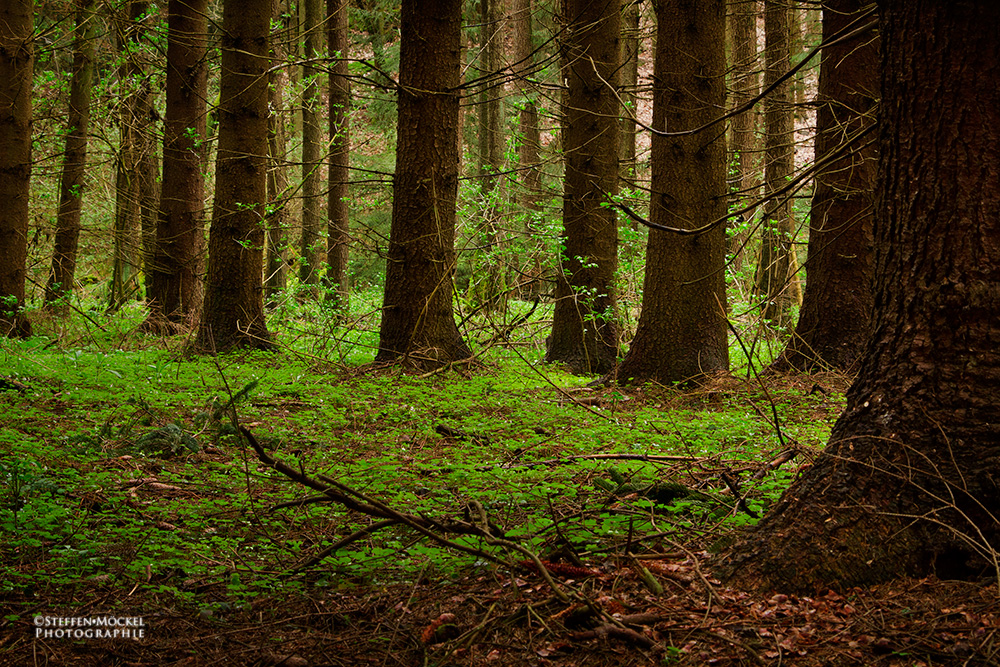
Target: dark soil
[(612, 619)]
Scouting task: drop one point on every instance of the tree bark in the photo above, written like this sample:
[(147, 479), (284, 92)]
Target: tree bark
[(489, 280), (529, 144), (523, 47), (834, 322), (682, 331), (278, 215), (16, 75), (234, 305), (73, 178), (629, 87), (178, 262), (149, 201), (417, 314), (135, 142), (311, 248), (584, 328), (339, 230), (907, 485), (776, 283), (745, 146)]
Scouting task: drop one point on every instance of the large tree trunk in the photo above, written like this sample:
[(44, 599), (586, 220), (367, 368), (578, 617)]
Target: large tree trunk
[(417, 314), (682, 329), (833, 324), (177, 293), (339, 230), (584, 328), (234, 305), (311, 248), (71, 183), (776, 283), (744, 148), (16, 74), (278, 217), (908, 483)]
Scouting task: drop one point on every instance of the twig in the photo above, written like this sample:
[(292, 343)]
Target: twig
[(339, 544)]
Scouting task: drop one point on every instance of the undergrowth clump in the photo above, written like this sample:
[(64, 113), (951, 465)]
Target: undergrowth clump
[(123, 464)]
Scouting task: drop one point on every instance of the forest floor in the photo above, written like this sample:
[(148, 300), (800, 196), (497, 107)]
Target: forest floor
[(129, 492)]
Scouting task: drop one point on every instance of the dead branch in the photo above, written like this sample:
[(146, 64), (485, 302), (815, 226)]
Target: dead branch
[(775, 463), (627, 634), (359, 502), (340, 544)]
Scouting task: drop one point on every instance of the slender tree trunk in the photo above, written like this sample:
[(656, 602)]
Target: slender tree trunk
[(682, 332), (489, 281), (277, 175), (311, 248), (16, 74), (584, 329), (73, 179), (177, 292), (834, 323), (149, 202), (908, 485), (339, 230), (629, 86), (776, 282), (522, 28), (745, 146), (491, 97), (234, 305), (530, 140), (135, 117), (417, 315)]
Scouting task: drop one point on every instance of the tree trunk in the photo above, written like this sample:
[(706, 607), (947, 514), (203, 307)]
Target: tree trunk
[(776, 282), (339, 230), (489, 280), (311, 248), (682, 330), (527, 154), (417, 314), (16, 74), (629, 87), (72, 181), (584, 328), (135, 116), (908, 483), (745, 146), (529, 144), (277, 175), (234, 305), (177, 292), (833, 324), (149, 201)]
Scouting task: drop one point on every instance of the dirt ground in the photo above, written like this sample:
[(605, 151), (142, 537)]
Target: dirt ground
[(611, 617)]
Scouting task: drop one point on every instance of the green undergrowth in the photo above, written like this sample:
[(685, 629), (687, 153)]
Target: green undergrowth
[(121, 469)]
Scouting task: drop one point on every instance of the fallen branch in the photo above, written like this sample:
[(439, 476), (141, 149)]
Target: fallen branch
[(563, 460), (775, 463), (359, 502), (627, 634), (339, 544)]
